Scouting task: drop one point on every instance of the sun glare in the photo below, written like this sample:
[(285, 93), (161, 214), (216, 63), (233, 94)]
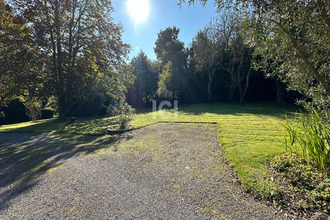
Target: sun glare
[(138, 9)]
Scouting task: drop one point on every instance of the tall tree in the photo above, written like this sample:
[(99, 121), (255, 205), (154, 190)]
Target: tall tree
[(219, 47), (146, 81), (169, 48), (236, 55), (168, 80), (79, 44), (19, 66), (291, 39), (206, 57)]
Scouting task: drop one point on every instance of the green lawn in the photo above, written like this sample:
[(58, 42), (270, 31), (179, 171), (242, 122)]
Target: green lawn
[(250, 135)]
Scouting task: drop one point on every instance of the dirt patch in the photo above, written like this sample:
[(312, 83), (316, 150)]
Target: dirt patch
[(163, 171)]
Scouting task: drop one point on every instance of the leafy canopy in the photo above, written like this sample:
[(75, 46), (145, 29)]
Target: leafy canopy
[(79, 48), (291, 41)]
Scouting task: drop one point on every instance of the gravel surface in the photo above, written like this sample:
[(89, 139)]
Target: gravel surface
[(163, 171)]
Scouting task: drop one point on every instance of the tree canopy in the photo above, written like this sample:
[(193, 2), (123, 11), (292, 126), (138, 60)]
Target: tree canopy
[(146, 81), (291, 41), (71, 52), (78, 46), (170, 51), (168, 47), (219, 49), (19, 65)]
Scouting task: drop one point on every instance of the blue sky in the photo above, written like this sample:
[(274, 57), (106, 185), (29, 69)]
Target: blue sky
[(163, 14)]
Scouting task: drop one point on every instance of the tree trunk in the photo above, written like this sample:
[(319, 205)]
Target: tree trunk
[(62, 106), (305, 60), (240, 89), (243, 93), (209, 86), (232, 88)]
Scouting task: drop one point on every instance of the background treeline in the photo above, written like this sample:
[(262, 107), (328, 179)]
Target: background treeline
[(61, 56), (216, 67), (68, 58)]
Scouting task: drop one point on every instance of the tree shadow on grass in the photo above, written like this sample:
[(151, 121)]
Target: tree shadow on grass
[(263, 109), (90, 126), (25, 157)]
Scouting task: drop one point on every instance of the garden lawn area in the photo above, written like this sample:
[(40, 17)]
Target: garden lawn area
[(251, 135)]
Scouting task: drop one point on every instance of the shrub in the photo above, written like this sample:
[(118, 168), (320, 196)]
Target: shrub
[(33, 108), (47, 113), (305, 190), (123, 111), (91, 106), (310, 135), (15, 112)]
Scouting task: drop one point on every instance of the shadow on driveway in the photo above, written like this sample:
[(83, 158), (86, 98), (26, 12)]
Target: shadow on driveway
[(23, 157)]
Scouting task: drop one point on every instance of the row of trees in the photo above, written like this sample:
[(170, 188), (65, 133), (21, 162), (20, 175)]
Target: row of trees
[(291, 42), (64, 50), (220, 45), (285, 40), (70, 53), (216, 66)]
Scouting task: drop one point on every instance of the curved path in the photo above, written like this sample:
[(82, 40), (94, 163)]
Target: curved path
[(163, 171)]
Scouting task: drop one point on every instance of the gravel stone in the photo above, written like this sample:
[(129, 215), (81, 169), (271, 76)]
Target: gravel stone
[(163, 171)]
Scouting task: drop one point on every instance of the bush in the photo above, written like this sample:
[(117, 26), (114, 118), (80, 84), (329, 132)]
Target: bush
[(305, 189), (33, 108), (47, 113), (15, 112), (310, 135), (123, 111), (91, 106)]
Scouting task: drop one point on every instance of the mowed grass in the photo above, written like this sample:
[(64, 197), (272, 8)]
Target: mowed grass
[(250, 135)]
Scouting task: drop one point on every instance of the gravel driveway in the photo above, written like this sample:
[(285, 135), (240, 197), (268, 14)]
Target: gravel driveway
[(163, 171)]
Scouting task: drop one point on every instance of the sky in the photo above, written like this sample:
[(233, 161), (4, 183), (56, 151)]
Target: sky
[(162, 14)]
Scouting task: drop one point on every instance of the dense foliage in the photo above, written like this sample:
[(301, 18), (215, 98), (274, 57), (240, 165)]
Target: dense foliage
[(220, 46), (171, 53), (73, 51), (19, 65), (304, 191), (76, 57), (311, 137), (217, 66), (123, 112), (291, 41), (145, 86)]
